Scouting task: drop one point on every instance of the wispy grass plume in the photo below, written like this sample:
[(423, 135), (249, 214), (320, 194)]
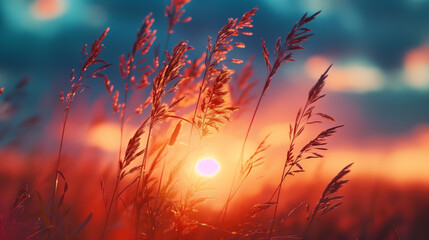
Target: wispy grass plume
[(89, 59), (283, 53)]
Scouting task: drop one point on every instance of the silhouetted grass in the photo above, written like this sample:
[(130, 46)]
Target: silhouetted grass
[(153, 196)]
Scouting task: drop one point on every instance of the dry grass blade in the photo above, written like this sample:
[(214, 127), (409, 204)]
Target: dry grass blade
[(169, 73), (80, 227), (131, 153), (326, 116), (147, 202), (65, 188), (88, 60), (18, 205), (6, 224), (317, 143), (214, 102), (188, 86), (215, 111), (325, 203), (314, 93), (303, 118), (255, 159), (129, 69), (246, 167), (174, 12), (283, 53), (257, 208), (183, 223), (329, 200), (241, 86), (161, 111), (215, 54), (129, 66), (175, 134)]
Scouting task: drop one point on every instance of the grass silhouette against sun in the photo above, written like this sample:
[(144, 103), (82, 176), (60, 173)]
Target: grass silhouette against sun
[(152, 195)]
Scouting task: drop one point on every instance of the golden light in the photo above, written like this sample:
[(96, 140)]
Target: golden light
[(105, 136), (207, 167)]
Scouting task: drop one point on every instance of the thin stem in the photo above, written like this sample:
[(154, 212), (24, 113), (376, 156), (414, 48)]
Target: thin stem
[(311, 220), (161, 202), (284, 173), (110, 206), (193, 118), (230, 195), (51, 216), (277, 189), (205, 114), (276, 204), (141, 175), (202, 89), (119, 157), (123, 120)]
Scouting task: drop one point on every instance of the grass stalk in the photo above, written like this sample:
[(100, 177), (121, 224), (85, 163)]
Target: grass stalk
[(57, 168)]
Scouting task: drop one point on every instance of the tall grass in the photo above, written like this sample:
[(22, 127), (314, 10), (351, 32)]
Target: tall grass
[(129, 68), (77, 82), (153, 194), (283, 53)]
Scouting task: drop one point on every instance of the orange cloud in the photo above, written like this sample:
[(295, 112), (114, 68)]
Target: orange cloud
[(350, 77), (416, 67), (403, 159), (48, 9)]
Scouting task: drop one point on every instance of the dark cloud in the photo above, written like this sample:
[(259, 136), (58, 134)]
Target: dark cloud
[(392, 28), (393, 112)]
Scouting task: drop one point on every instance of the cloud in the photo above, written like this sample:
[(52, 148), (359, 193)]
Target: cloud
[(48, 9), (355, 76), (416, 67), (403, 158)]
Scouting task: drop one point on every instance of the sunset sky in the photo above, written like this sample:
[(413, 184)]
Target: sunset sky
[(378, 86)]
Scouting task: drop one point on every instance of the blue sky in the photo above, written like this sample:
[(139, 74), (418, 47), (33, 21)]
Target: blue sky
[(369, 43)]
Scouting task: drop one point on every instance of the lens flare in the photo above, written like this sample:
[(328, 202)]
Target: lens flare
[(207, 167)]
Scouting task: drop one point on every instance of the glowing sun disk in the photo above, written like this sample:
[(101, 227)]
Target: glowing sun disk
[(207, 167)]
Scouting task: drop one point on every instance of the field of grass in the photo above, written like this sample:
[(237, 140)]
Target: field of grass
[(171, 111)]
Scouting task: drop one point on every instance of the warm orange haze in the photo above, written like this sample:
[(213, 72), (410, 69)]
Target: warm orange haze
[(237, 135)]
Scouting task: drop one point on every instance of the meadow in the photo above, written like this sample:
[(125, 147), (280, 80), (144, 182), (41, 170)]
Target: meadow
[(181, 159)]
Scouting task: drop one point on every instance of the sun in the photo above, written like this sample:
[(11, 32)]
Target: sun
[(207, 167)]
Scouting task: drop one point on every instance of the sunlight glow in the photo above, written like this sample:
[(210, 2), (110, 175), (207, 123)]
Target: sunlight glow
[(104, 136), (207, 167)]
